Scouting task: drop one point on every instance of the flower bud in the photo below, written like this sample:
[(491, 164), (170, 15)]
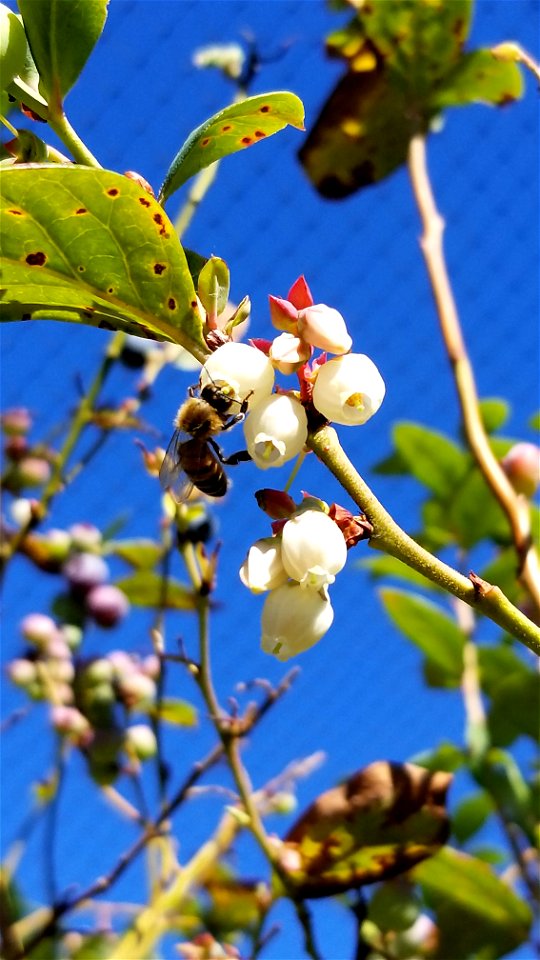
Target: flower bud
[(33, 471), (240, 370), (283, 314), (22, 672), (85, 570), (293, 620), (70, 722), (313, 549), (263, 567), (140, 741), (38, 629), (276, 430), (107, 605), (349, 389), (288, 353), (522, 467), (325, 328), (16, 421), (84, 536), (23, 511), (137, 691)]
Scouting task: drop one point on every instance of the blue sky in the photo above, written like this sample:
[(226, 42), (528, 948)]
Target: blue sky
[(360, 695)]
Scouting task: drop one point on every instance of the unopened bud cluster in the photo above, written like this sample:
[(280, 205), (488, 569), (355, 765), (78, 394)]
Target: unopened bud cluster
[(297, 565), (346, 388), (89, 699)]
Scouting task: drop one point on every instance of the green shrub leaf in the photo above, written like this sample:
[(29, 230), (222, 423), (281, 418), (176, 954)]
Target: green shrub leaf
[(433, 631), (62, 35), (234, 128), (476, 913), (93, 247)]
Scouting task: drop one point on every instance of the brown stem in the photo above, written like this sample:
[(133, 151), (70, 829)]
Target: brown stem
[(515, 506)]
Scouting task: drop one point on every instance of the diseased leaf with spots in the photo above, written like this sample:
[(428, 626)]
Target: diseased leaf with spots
[(405, 63), (62, 35), (375, 825), (477, 914), (91, 246), (234, 128)]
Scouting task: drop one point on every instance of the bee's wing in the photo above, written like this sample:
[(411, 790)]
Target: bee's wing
[(172, 476)]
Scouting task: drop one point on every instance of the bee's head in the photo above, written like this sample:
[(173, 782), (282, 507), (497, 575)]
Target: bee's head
[(214, 394)]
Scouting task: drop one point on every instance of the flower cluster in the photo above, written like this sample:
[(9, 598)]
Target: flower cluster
[(346, 389), (300, 561), (297, 565)]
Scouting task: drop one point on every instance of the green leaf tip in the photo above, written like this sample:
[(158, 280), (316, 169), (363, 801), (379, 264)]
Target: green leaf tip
[(235, 128)]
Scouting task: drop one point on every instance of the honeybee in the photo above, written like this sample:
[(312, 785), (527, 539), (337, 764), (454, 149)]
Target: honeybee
[(193, 458)]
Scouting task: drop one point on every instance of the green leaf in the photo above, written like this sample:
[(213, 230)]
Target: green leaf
[(534, 421), (515, 708), (499, 774), (447, 756), (213, 286), (62, 35), (178, 712), (394, 906), (470, 815), (479, 78), (147, 589), (476, 913), (91, 246), (496, 663), (474, 513), (494, 412), (97, 946), (141, 553), (432, 630), (232, 129), (502, 572), (431, 457)]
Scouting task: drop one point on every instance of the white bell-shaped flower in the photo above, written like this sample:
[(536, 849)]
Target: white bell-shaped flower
[(276, 430), (241, 369), (349, 389), (313, 549), (293, 620), (263, 567)]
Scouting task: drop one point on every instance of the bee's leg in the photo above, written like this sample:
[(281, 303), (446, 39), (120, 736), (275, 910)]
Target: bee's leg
[(237, 417), (233, 459)]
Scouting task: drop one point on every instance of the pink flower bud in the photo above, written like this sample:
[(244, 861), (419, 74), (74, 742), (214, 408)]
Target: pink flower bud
[(107, 605), (522, 467), (70, 722), (16, 421), (283, 314), (38, 629), (288, 353), (85, 570), (33, 471), (22, 672), (84, 536), (325, 328)]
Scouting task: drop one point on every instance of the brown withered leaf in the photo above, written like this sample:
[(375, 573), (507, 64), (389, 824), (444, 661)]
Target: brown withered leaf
[(377, 824)]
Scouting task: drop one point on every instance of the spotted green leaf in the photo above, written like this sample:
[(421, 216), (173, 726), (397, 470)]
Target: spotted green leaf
[(234, 128), (62, 35), (405, 63), (93, 247), (375, 825)]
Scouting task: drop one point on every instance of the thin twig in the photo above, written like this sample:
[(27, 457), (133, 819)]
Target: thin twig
[(388, 536), (515, 506)]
